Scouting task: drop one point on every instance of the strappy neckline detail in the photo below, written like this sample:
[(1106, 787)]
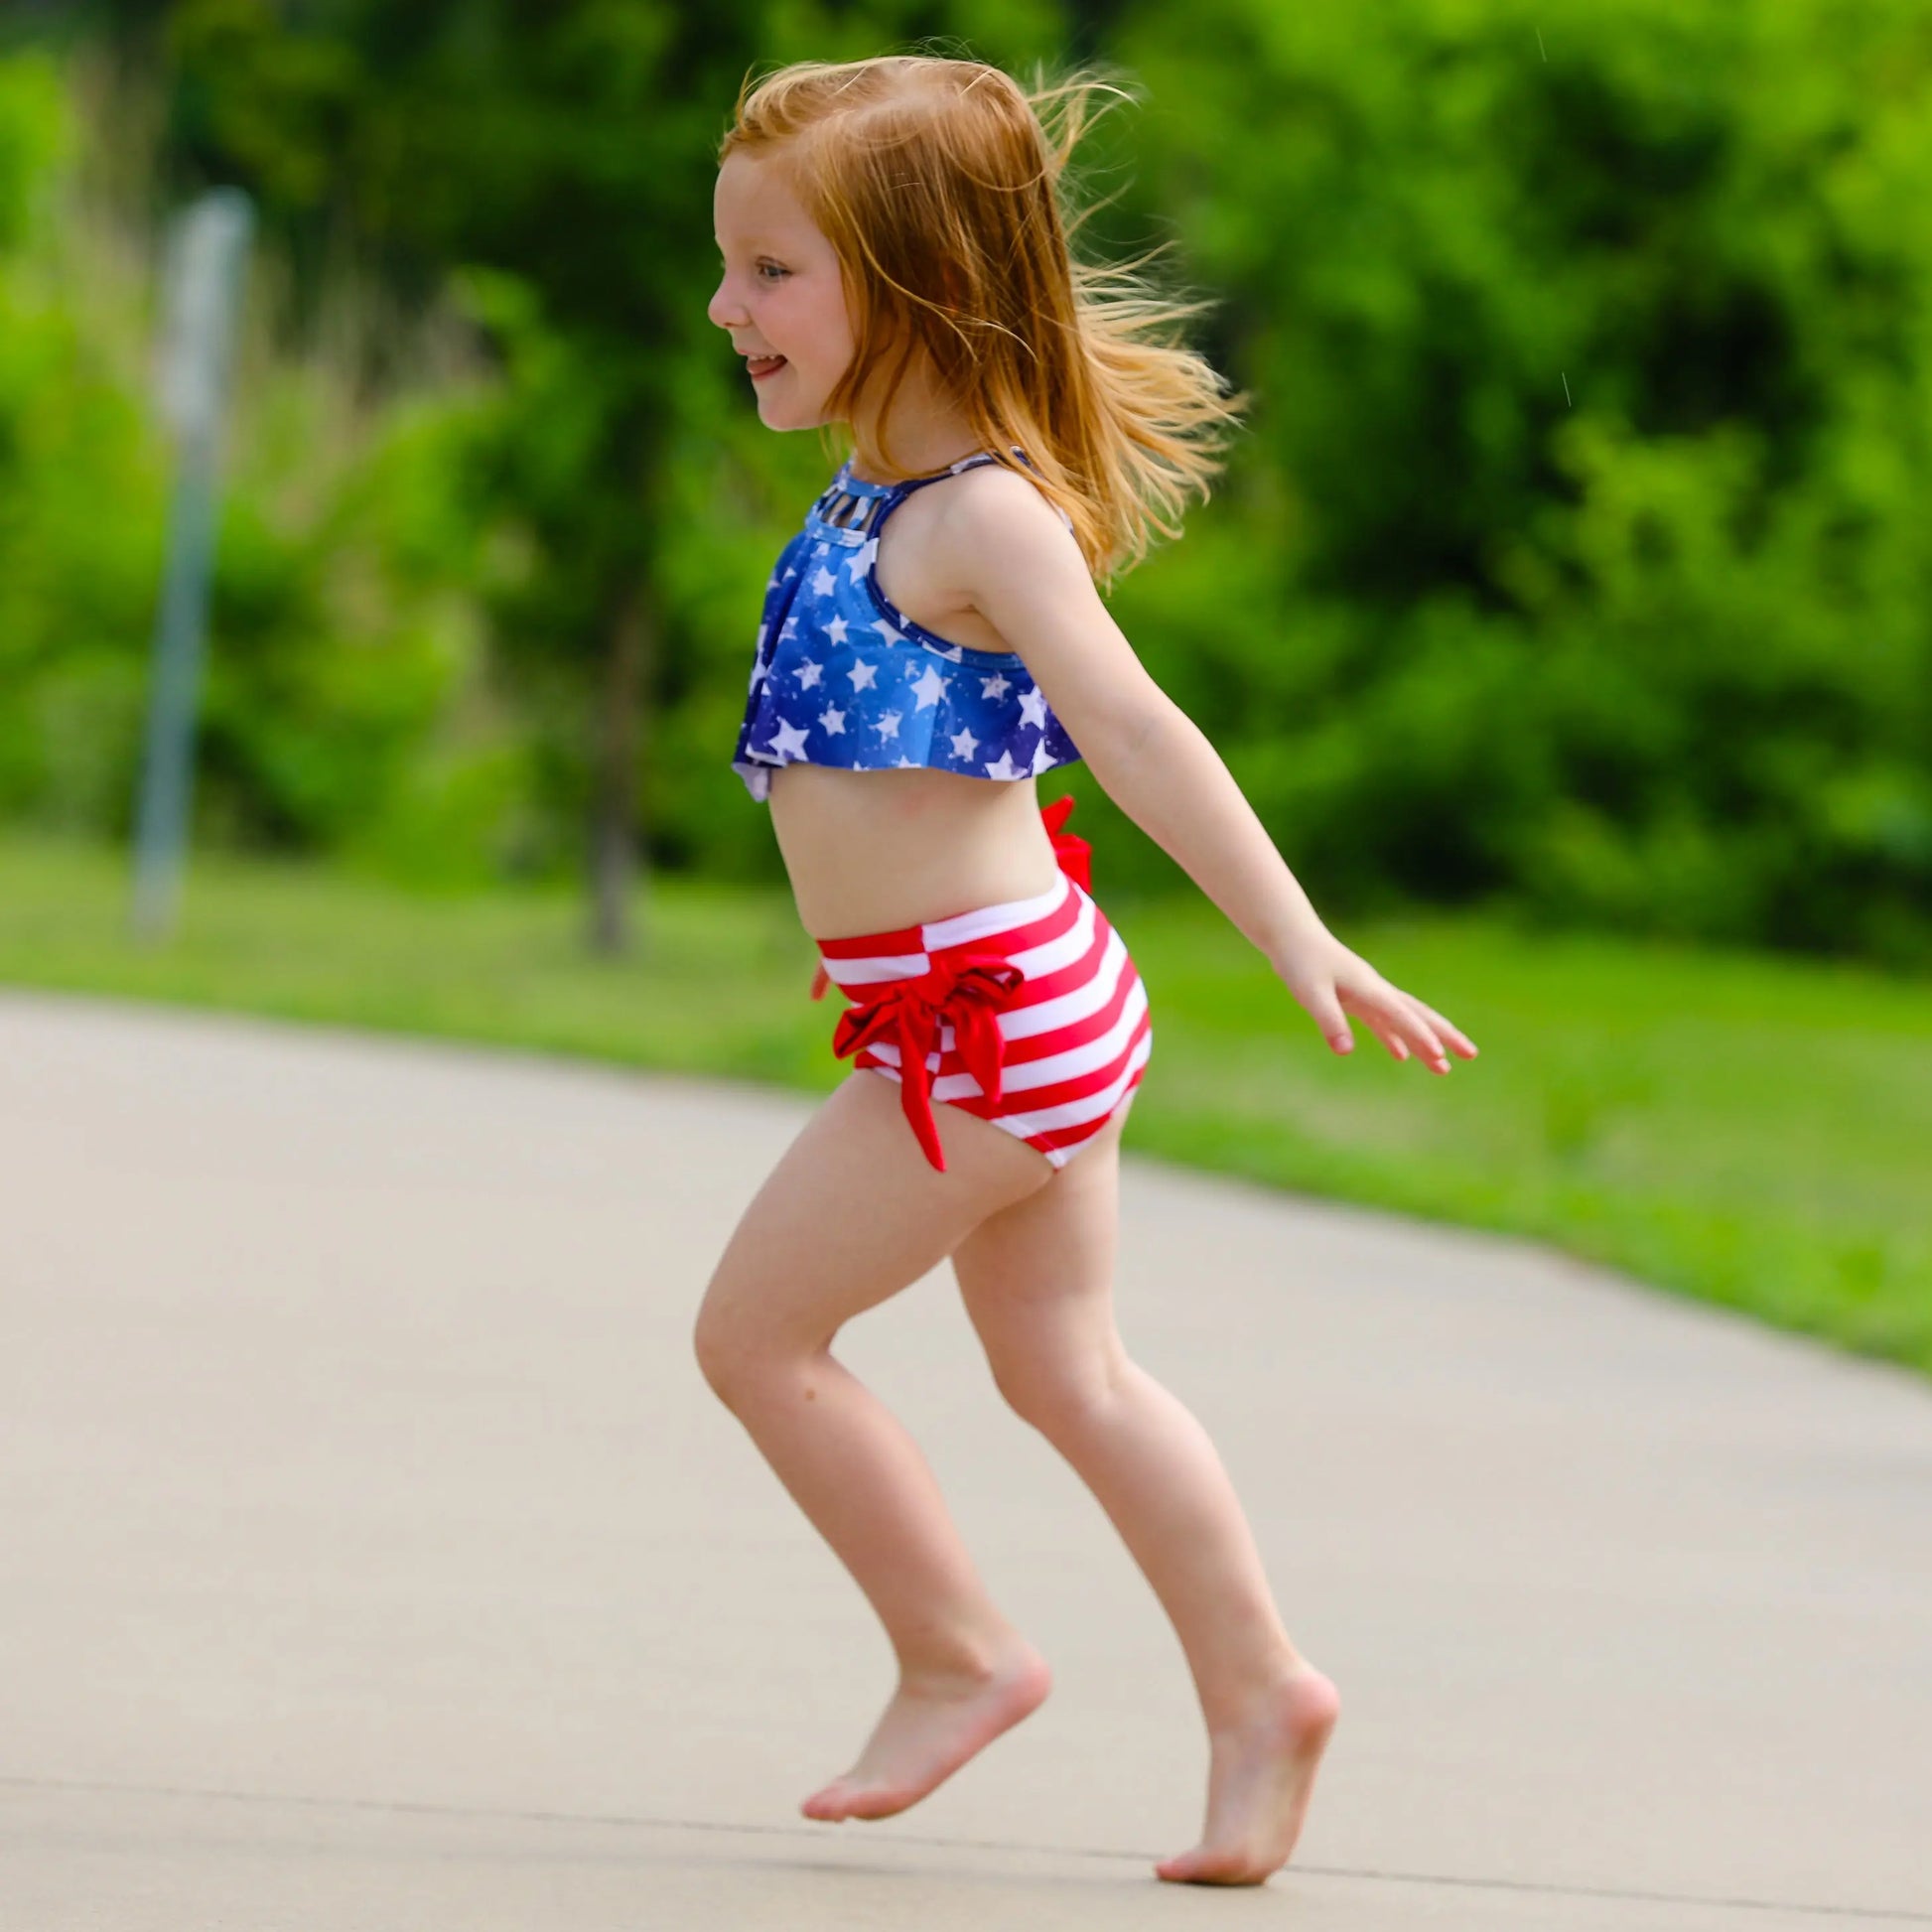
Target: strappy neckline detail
[(859, 486), (852, 509)]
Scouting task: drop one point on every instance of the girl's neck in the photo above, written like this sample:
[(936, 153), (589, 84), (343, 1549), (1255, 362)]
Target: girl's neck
[(928, 437), (923, 456)]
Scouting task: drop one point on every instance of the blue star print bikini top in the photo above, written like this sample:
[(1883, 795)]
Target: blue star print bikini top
[(843, 677)]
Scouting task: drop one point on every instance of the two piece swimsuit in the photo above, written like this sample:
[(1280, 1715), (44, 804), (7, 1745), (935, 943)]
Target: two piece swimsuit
[(1029, 1014)]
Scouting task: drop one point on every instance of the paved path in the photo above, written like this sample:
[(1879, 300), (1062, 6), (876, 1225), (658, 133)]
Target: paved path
[(373, 1555)]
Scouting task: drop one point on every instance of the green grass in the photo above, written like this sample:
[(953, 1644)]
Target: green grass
[(1750, 1131)]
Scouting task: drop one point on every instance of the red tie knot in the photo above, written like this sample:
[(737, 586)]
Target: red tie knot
[(985, 978)]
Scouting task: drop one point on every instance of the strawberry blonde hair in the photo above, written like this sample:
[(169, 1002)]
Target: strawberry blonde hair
[(940, 184)]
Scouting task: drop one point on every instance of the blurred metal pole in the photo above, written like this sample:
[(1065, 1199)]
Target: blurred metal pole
[(207, 251)]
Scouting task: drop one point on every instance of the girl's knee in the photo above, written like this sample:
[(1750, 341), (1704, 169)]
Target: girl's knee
[(738, 1353), (1058, 1394), (716, 1349), (731, 1353)]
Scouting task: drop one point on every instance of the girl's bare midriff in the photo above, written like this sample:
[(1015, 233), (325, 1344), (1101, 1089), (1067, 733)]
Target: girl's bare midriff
[(873, 851)]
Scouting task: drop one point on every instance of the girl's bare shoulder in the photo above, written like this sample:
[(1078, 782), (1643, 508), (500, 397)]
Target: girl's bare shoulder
[(986, 515), (935, 552)]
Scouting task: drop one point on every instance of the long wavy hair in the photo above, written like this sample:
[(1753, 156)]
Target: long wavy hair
[(942, 186)]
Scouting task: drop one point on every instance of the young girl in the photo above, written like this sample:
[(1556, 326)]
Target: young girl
[(896, 261)]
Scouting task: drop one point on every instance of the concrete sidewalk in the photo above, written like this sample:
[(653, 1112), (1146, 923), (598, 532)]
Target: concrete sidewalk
[(373, 1555)]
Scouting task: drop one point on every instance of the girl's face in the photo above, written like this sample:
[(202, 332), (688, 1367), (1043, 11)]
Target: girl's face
[(781, 297)]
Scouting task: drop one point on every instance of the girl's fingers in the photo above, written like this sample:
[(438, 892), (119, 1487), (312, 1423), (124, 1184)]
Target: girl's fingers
[(1404, 1017), (1402, 1023), (1428, 1024), (1415, 1028), (1324, 1002), (1427, 1046), (1387, 1035), (1454, 1033)]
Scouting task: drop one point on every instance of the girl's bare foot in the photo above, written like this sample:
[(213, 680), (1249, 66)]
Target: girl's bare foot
[(1258, 1783), (931, 1729)]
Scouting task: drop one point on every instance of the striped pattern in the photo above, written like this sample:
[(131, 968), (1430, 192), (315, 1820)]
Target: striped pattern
[(1076, 1035)]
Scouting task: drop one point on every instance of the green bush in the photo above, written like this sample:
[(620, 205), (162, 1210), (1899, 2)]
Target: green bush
[(1593, 447), (346, 704)]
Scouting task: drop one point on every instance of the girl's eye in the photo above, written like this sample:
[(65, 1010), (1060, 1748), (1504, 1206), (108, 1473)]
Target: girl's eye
[(773, 267)]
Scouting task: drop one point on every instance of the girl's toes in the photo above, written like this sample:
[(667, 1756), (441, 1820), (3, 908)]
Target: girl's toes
[(1204, 1868), (825, 1803)]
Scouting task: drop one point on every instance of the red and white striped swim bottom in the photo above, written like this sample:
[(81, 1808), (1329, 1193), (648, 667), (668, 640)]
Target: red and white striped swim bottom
[(1029, 1014)]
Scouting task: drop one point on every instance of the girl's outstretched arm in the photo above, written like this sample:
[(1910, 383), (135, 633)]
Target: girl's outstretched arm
[(1008, 553)]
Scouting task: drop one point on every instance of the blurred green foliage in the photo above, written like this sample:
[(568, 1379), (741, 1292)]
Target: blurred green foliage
[(1593, 454), (80, 497), (1573, 565), (340, 708)]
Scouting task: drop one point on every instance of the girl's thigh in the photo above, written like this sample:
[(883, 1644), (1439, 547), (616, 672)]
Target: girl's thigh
[(852, 1213), (1036, 1279)]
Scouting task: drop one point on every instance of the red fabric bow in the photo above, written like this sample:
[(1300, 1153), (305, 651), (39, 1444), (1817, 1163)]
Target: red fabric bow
[(1075, 854), (1071, 853), (968, 988)]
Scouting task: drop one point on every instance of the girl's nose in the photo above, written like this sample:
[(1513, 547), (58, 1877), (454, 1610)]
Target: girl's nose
[(719, 310)]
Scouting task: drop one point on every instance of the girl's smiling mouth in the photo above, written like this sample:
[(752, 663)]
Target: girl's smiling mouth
[(760, 366)]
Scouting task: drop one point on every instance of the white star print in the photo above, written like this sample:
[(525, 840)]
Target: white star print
[(788, 744), (898, 671)]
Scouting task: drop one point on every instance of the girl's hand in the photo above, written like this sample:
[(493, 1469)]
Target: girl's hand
[(1332, 982)]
